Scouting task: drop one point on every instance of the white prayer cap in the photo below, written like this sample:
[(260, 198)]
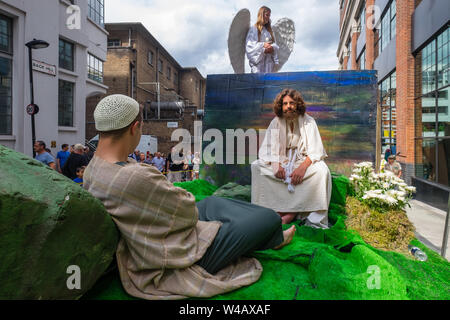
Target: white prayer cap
[(115, 112)]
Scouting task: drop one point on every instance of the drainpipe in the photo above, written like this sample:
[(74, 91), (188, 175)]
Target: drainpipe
[(158, 92)]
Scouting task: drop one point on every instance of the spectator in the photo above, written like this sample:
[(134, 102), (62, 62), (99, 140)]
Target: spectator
[(196, 161), (174, 166), (71, 149), (79, 179), (393, 166), (135, 155), (42, 155), (88, 153), (75, 160), (159, 162), (387, 153), (143, 160), (62, 156)]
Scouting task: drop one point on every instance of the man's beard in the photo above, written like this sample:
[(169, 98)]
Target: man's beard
[(290, 115)]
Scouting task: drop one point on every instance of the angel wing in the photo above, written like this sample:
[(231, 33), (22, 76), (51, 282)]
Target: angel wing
[(236, 40), (284, 32)]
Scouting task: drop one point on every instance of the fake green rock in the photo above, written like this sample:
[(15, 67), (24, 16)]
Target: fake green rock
[(56, 239)]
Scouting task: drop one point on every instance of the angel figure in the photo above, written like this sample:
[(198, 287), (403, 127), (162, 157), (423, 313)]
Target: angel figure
[(267, 48)]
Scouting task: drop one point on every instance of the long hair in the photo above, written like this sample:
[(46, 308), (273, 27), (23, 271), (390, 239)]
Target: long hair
[(295, 95), (260, 23)]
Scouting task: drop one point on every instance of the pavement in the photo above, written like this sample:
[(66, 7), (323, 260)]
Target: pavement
[(429, 222)]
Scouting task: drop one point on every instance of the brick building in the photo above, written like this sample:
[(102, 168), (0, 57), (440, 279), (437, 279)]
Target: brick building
[(407, 42), (137, 65)]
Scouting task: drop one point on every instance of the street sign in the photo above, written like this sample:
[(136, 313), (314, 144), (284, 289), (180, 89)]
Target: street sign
[(172, 124), (44, 67), (32, 109)]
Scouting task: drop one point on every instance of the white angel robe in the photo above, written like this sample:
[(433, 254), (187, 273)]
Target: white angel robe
[(312, 196), (258, 60)]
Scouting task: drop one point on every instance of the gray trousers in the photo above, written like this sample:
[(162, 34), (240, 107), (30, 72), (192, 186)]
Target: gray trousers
[(246, 227)]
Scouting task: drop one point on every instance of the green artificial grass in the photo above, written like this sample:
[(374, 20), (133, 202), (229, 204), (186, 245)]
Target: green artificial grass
[(331, 264)]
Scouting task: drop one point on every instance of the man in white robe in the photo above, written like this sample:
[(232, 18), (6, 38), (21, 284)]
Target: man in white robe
[(302, 189), (261, 49)]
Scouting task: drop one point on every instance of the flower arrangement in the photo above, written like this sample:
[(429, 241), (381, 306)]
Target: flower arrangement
[(381, 191)]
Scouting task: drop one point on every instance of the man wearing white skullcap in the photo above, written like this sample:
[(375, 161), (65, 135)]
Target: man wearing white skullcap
[(171, 247)]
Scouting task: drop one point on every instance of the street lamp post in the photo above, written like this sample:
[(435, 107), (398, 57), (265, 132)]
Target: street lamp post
[(32, 108)]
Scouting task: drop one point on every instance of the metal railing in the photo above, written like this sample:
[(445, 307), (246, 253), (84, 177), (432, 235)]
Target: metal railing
[(445, 238)]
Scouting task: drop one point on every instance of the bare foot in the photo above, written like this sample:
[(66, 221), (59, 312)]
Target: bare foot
[(287, 235), (287, 217)]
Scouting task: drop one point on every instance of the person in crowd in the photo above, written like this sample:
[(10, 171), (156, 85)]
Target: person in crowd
[(88, 153), (142, 159), (196, 165), (171, 247), (393, 166), (44, 156), (387, 153), (135, 155), (290, 175), (76, 159), (174, 166), (62, 156), (79, 179), (158, 161)]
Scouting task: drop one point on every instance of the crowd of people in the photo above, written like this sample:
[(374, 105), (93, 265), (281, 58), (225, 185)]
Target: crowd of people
[(71, 161), (186, 169)]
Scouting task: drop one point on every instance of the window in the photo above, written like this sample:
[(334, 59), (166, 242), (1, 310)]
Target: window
[(66, 55), (95, 68), (150, 58), (197, 85), (432, 110), (5, 34), (388, 26), (160, 65), (393, 22), (175, 78), (65, 103), (169, 73), (5, 75), (96, 11), (362, 60), (443, 59), (5, 95), (114, 43), (388, 112)]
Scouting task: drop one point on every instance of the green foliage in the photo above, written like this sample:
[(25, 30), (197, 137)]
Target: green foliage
[(383, 191), (329, 264), (390, 230)]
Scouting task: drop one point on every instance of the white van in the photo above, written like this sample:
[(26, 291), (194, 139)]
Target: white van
[(148, 143)]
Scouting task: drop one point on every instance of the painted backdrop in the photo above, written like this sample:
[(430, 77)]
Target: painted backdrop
[(343, 103)]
